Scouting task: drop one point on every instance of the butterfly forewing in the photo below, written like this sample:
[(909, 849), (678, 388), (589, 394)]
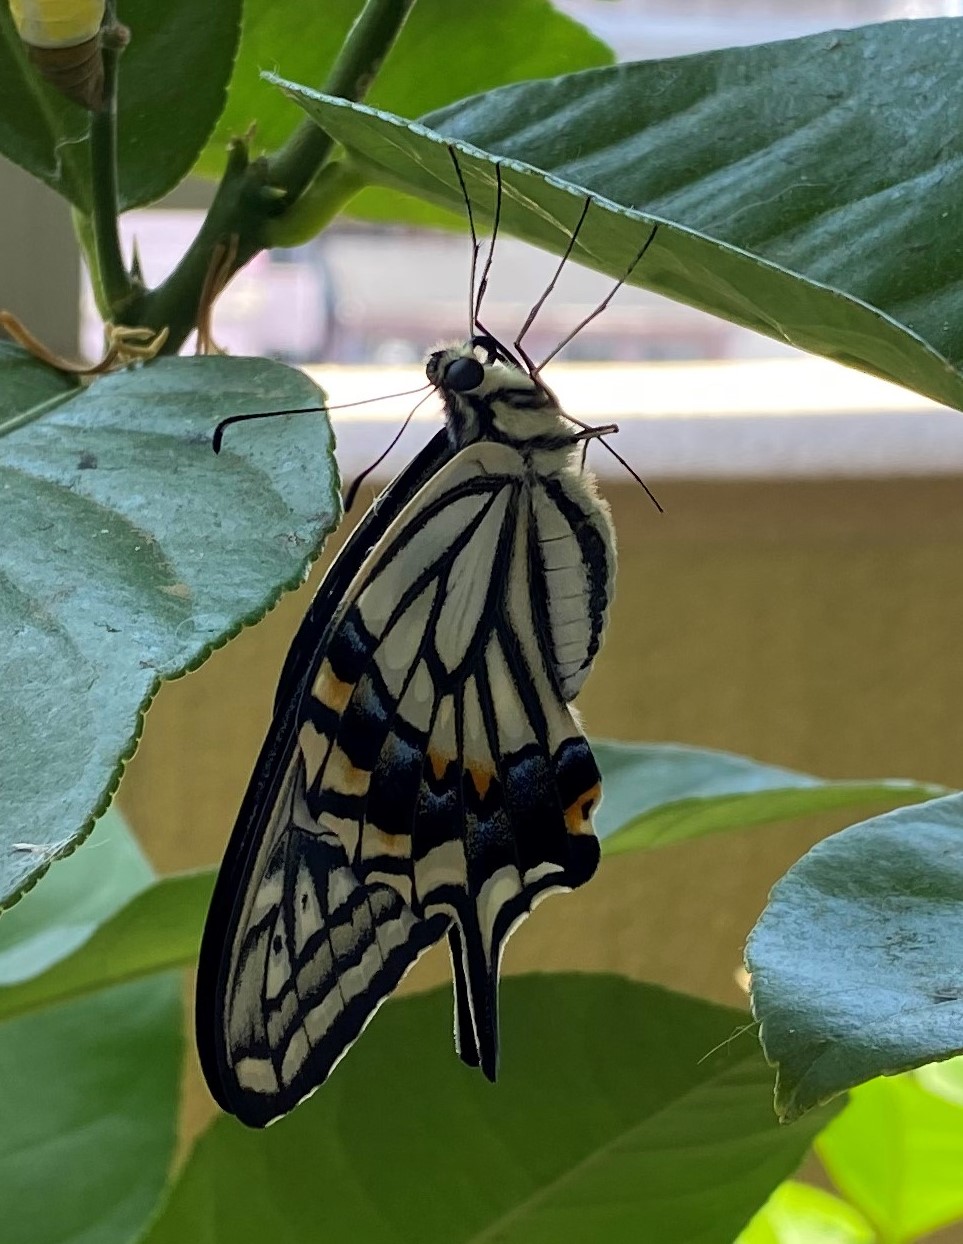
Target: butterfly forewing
[(424, 773)]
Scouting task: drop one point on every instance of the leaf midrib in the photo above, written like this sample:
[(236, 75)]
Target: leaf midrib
[(491, 1232)]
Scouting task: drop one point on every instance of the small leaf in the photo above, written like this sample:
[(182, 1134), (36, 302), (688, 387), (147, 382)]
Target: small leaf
[(808, 187), (659, 793), (855, 960), (82, 892), (90, 1089), (622, 1112), (943, 1079), (171, 45), (896, 1153), (432, 63), (158, 929), (128, 551), (799, 1214)]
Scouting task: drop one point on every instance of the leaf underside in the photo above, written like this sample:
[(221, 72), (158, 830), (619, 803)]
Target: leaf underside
[(802, 192), (855, 960)]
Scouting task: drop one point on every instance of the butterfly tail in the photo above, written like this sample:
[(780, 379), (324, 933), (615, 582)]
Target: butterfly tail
[(476, 1009)]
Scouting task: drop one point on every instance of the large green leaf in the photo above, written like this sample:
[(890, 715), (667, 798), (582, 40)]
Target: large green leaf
[(89, 1114), (660, 793), (896, 1153), (809, 187), (432, 63), (622, 1112), (799, 1214), (128, 551), (654, 794), (90, 1089), (855, 961), (177, 64)]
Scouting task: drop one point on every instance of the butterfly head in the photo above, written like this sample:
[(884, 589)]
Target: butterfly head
[(488, 395)]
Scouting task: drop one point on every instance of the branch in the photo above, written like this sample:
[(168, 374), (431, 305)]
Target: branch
[(254, 195), (369, 41), (111, 280)]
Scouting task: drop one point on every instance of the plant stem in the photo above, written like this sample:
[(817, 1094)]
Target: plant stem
[(112, 278), (252, 195), (175, 303), (368, 43), (337, 183)]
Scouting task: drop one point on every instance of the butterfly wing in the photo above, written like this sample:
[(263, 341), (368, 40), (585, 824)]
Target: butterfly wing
[(262, 796), (429, 778)]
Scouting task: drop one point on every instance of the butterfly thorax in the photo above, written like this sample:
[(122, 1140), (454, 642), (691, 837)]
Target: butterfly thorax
[(489, 397)]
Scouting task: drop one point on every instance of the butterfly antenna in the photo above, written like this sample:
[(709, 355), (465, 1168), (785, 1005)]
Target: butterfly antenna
[(603, 304), (218, 437), (548, 289), (352, 493), (486, 271), (631, 470), (475, 245), (591, 433)]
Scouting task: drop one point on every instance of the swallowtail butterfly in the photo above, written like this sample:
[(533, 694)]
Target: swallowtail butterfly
[(424, 775)]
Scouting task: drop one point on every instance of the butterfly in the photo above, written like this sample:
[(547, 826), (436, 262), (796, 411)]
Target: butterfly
[(424, 775)]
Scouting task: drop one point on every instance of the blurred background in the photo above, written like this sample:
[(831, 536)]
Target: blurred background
[(800, 601)]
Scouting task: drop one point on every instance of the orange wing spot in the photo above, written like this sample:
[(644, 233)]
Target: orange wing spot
[(330, 690), (481, 780), (439, 764), (578, 815)]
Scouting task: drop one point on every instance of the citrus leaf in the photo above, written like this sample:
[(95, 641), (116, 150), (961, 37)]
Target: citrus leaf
[(622, 1112), (158, 929), (179, 42), (431, 63), (129, 551), (855, 960), (808, 187), (90, 1088), (82, 892), (90, 1114), (661, 793), (895, 1152), (799, 1214)]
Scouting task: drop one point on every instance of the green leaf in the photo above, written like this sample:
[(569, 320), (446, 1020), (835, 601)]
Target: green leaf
[(82, 892), (660, 793), (171, 45), (622, 1112), (86, 1134), (158, 929), (89, 1114), (809, 186), (799, 1214), (432, 63), (855, 960), (128, 551), (896, 1152), (944, 1079)]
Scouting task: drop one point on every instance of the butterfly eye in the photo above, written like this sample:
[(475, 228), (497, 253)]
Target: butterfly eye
[(464, 374)]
